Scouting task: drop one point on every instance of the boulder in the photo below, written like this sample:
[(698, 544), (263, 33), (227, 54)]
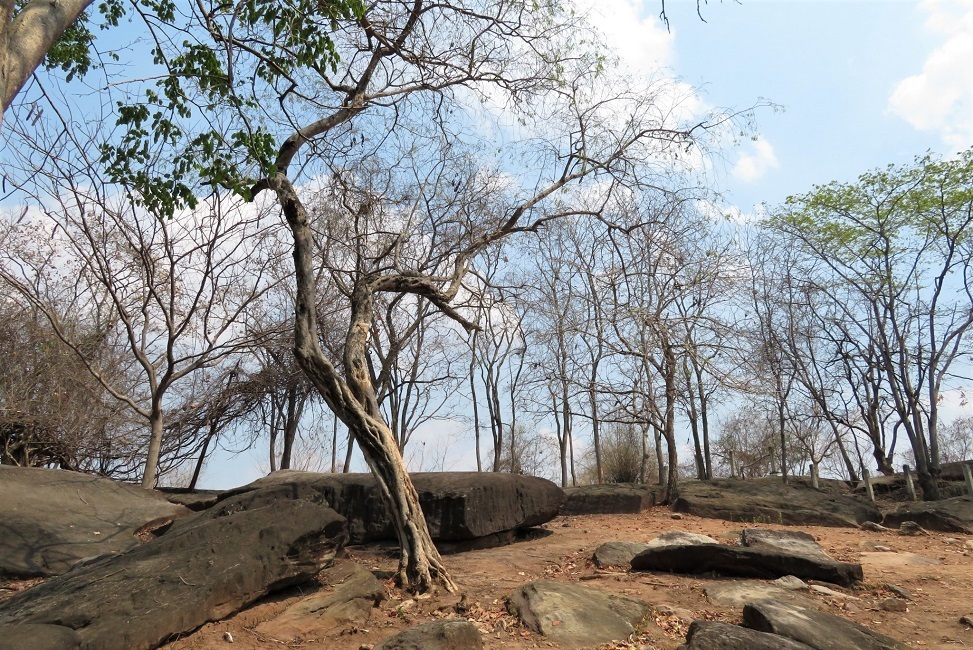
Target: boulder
[(770, 501), (744, 562), (608, 499), (348, 594), (680, 538), (948, 515), (458, 506), (53, 519), (452, 634), (193, 574), (786, 541), (819, 630), (713, 635), (195, 500), (618, 554), (574, 616)]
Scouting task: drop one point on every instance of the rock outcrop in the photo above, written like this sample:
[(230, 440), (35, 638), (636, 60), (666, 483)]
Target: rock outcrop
[(203, 570), (52, 519), (948, 515), (609, 499), (459, 506)]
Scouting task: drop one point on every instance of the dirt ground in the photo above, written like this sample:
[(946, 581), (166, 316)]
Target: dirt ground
[(936, 569)]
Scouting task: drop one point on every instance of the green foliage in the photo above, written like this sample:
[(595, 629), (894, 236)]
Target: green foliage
[(187, 132)]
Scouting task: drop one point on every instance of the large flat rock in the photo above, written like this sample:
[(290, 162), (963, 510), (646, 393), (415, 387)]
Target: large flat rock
[(948, 515), (770, 501), (458, 506), (818, 630), (713, 635), (52, 519), (574, 616), (744, 562), (608, 499), (200, 572)]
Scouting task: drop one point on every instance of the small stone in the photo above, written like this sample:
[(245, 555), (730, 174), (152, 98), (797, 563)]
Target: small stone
[(950, 540), (790, 582), (967, 620), (228, 637), (899, 591), (820, 589), (968, 544), (366, 646), (911, 529), (875, 528), (894, 605), (883, 549), (676, 515)]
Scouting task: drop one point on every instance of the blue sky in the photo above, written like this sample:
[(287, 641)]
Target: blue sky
[(862, 84)]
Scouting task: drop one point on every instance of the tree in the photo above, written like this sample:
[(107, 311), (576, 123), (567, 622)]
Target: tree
[(899, 240)]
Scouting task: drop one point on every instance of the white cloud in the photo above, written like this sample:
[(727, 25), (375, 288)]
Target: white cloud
[(938, 99), (756, 160), (640, 42)]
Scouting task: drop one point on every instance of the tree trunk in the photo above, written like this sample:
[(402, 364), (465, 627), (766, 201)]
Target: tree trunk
[(353, 400), (150, 477)]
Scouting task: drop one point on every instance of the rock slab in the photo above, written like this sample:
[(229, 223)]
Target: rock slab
[(713, 635), (454, 634), (185, 578), (744, 562), (458, 506), (574, 616), (608, 499), (816, 629), (769, 501), (52, 519), (948, 515)]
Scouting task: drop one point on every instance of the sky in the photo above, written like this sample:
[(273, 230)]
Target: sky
[(854, 86)]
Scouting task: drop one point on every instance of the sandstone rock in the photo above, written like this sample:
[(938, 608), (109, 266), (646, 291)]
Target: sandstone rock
[(713, 635), (792, 583), (609, 499), (617, 554), (574, 616), (458, 506), (785, 541), (453, 634), (189, 576), (53, 519), (38, 637), (948, 515), (769, 501), (738, 593), (347, 598), (817, 629), (744, 562), (679, 538)]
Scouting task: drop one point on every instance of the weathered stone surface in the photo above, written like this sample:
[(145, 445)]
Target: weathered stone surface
[(785, 541), (738, 593), (454, 634), (38, 637), (190, 575), (348, 594), (52, 519), (618, 554), (574, 616), (680, 538), (713, 635), (949, 515), (608, 499), (744, 562), (769, 501), (195, 500), (458, 505), (819, 630)]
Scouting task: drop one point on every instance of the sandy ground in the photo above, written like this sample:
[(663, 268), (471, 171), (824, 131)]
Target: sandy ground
[(936, 569)]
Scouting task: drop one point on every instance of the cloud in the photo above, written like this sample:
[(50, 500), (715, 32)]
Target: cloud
[(755, 161), (938, 98), (640, 41)]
